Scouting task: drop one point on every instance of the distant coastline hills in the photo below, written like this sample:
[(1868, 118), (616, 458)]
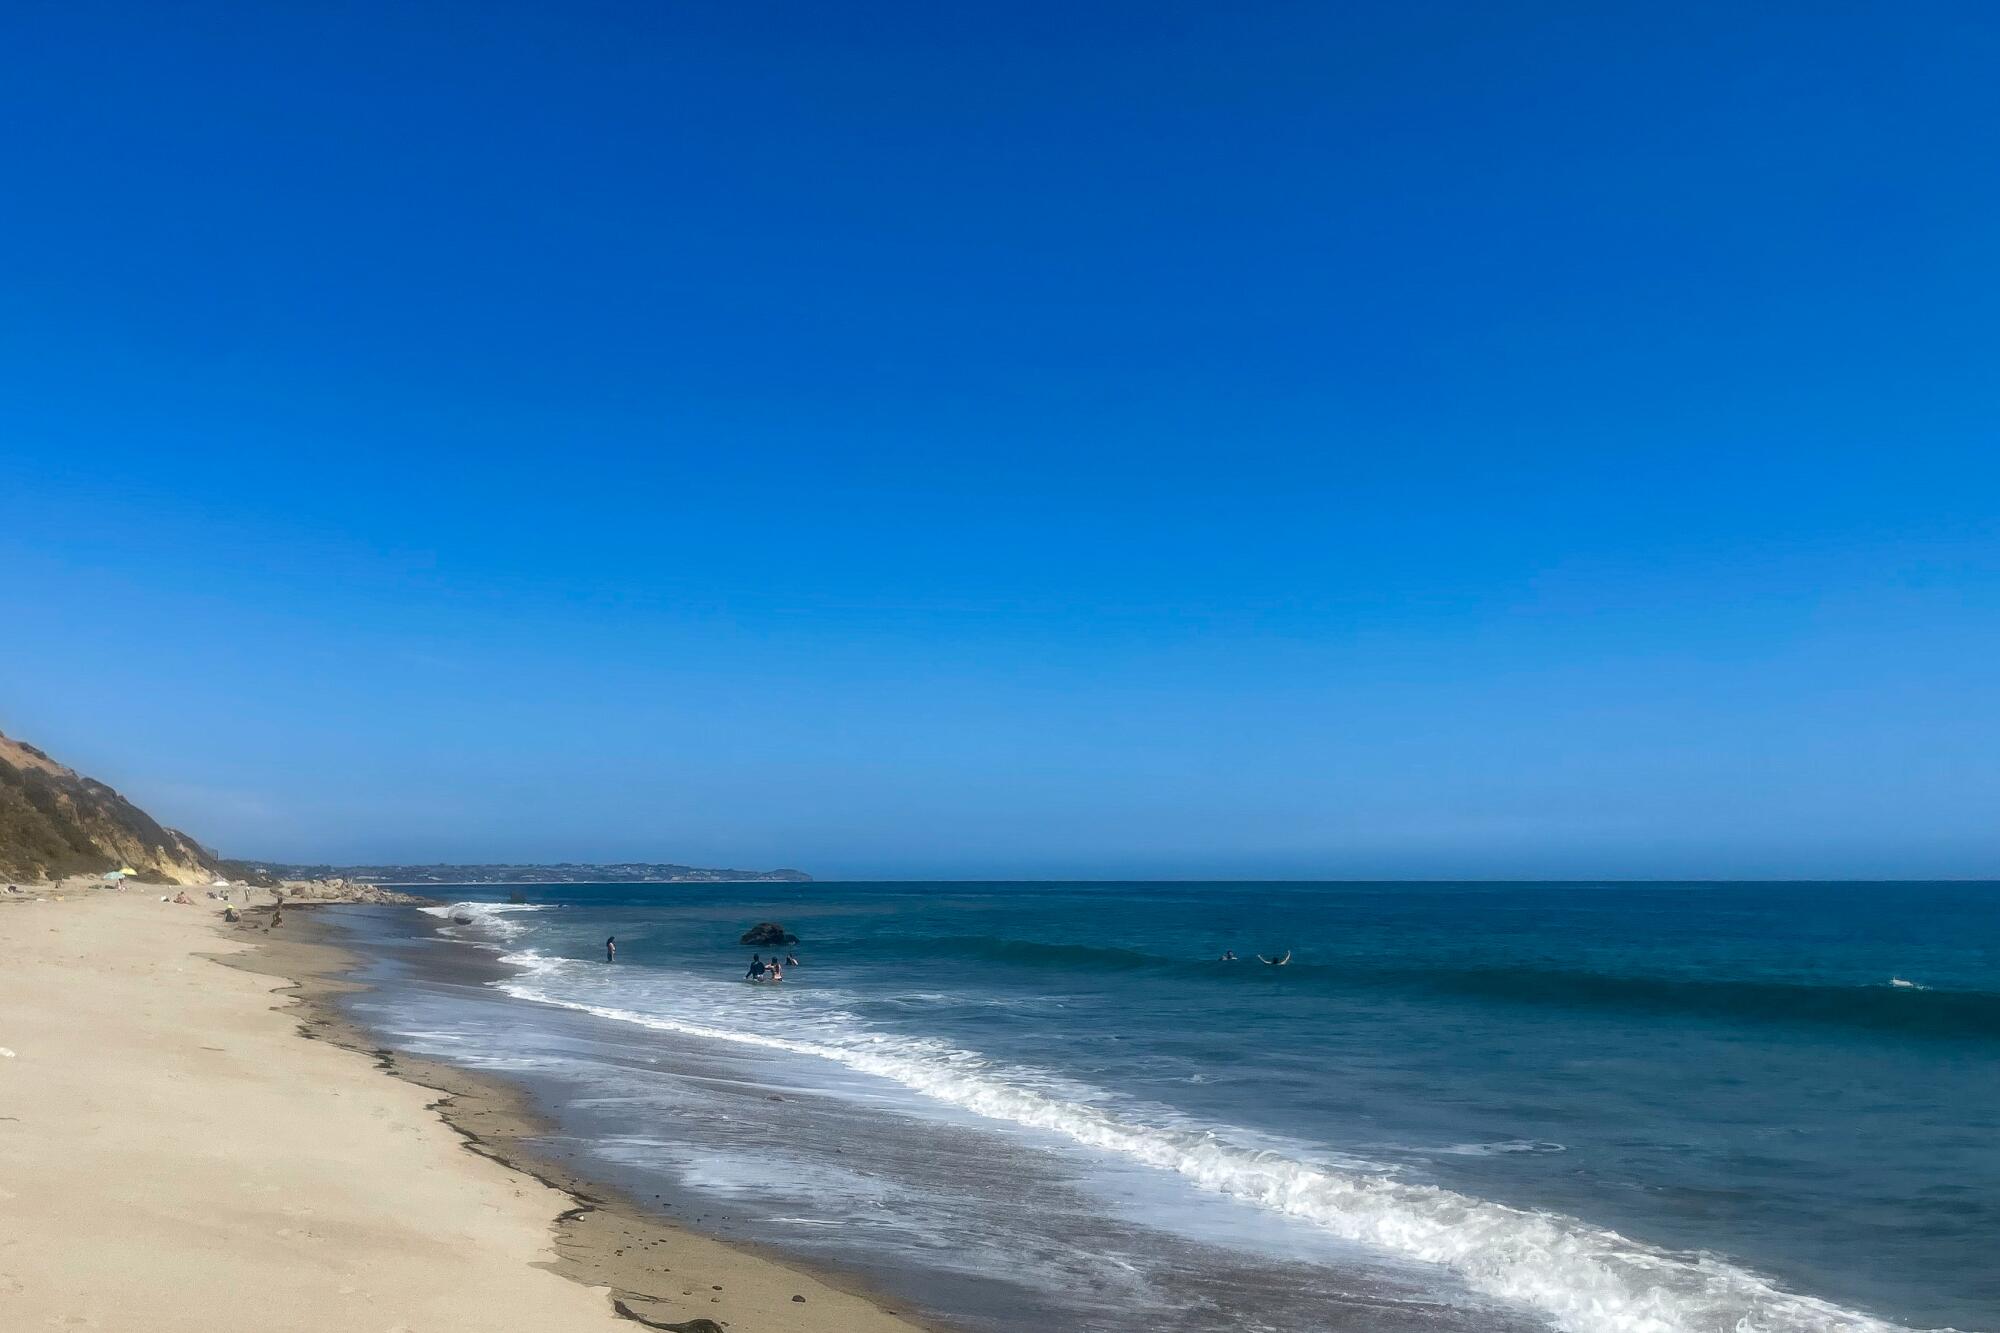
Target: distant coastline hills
[(566, 872), (54, 822)]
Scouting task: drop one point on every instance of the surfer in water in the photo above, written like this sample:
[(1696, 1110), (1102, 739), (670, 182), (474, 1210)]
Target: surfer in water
[(1275, 962)]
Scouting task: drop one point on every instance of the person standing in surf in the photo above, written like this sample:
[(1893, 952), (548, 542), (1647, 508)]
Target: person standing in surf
[(611, 949)]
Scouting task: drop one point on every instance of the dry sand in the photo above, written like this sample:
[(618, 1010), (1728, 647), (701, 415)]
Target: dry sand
[(174, 1156)]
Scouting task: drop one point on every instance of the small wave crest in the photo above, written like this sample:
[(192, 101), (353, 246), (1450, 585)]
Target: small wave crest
[(492, 919), (1503, 1148), (1907, 1010), (532, 962), (1902, 1007)]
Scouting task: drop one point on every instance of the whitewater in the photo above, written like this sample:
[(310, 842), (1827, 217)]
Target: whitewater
[(1571, 1271), (1586, 1279)]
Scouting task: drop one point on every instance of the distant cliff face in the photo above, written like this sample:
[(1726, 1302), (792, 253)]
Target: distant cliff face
[(56, 822)]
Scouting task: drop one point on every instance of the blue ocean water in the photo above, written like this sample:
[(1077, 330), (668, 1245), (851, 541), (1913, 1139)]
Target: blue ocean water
[(1752, 1108)]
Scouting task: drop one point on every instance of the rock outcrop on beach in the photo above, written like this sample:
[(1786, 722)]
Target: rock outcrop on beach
[(769, 935), (307, 892), (56, 822)]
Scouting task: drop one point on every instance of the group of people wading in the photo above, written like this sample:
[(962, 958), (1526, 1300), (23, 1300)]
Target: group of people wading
[(771, 971)]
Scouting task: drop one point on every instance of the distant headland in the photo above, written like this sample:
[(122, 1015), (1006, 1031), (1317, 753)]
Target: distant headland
[(566, 872), (54, 822)]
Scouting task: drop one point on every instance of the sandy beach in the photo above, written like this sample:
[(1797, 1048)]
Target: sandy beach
[(175, 1153)]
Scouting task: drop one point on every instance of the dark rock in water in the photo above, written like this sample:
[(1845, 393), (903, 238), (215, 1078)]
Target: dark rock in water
[(767, 934), (461, 918)]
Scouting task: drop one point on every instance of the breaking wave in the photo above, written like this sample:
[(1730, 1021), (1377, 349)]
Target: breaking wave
[(1584, 1278), (491, 919)]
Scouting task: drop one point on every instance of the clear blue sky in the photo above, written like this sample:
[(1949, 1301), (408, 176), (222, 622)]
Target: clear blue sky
[(1116, 439)]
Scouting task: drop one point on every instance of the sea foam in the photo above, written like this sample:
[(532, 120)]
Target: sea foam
[(490, 919), (1584, 1278)]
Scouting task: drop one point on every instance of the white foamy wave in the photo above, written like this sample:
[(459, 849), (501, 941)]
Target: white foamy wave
[(532, 963), (1906, 985), (488, 918), (1586, 1279)]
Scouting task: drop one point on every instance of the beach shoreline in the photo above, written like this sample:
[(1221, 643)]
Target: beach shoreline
[(600, 1240), (386, 1172)]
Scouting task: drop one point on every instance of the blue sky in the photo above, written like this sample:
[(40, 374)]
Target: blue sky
[(1302, 440)]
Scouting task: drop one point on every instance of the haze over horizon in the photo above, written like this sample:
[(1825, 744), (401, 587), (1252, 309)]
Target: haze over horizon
[(1135, 441)]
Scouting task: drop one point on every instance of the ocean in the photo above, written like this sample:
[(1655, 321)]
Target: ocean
[(1603, 1108)]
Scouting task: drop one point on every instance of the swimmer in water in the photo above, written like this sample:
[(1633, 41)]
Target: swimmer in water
[(1228, 956), (791, 960), (1275, 962), (756, 972), (611, 950)]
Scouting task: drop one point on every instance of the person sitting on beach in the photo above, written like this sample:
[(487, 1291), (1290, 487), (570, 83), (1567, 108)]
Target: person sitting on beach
[(1275, 962), (756, 972)]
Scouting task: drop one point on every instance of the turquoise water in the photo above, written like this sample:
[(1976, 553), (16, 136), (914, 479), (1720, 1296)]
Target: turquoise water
[(1650, 1108)]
